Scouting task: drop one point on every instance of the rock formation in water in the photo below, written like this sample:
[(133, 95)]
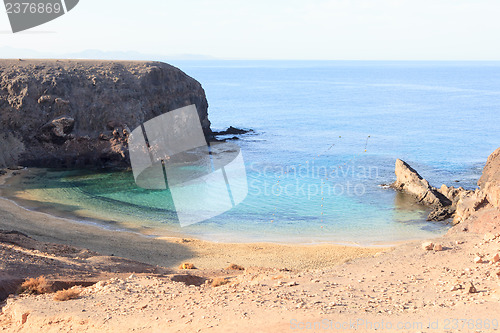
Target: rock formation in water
[(409, 181), (78, 113), (477, 209), (233, 131)]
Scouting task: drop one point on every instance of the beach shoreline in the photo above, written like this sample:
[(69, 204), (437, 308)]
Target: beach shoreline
[(278, 288), (39, 200), (403, 285), (172, 251)]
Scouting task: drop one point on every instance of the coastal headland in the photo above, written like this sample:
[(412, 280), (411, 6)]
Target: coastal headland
[(57, 274)]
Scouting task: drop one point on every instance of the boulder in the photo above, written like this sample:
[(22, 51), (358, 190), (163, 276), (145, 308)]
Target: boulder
[(454, 194), (495, 258), (427, 246), (441, 213), (468, 204), (58, 130)]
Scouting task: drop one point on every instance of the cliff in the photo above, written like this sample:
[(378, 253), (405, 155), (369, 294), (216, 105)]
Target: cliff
[(78, 113), (480, 211), (490, 179)]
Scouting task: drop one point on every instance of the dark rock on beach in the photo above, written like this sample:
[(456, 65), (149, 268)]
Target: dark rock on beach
[(79, 113)]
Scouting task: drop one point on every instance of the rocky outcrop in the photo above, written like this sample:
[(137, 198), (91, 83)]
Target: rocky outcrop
[(477, 210), (468, 204), (233, 131), (409, 181), (441, 213), (77, 113), (490, 179)]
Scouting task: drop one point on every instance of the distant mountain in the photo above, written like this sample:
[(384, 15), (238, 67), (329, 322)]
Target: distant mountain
[(10, 52)]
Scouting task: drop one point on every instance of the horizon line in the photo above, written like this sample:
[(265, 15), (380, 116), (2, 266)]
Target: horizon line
[(166, 58)]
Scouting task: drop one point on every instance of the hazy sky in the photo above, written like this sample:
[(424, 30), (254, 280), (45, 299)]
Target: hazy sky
[(274, 29)]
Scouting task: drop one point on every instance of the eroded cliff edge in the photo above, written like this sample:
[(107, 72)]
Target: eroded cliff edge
[(78, 113)]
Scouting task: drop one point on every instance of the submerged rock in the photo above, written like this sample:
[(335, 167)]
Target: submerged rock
[(233, 131), (78, 113)]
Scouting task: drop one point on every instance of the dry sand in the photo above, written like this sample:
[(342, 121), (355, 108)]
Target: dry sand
[(282, 289)]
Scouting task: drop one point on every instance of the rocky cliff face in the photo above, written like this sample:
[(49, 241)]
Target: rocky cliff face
[(480, 211), (77, 113), (490, 179)]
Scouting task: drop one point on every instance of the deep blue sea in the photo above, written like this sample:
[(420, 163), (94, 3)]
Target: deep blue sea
[(325, 136)]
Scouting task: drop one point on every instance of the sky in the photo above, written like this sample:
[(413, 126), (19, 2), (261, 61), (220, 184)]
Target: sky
[(272, 29)]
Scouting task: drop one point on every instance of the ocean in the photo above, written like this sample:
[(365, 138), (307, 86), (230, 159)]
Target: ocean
[(325, 136)]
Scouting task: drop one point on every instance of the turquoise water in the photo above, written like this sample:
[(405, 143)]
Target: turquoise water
[(326, 135)]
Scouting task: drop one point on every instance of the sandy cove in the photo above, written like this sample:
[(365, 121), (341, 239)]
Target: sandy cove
[(405, 286), (282, 289), (171, 252)]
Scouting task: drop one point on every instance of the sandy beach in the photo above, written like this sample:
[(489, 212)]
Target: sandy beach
[(281, 288), (171, 252)]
